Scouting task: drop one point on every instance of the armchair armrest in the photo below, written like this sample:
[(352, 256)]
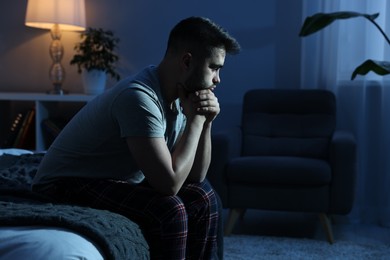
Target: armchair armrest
[(343, 162), (225, 146)]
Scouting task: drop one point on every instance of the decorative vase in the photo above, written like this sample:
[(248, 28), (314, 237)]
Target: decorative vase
[(94, 81)]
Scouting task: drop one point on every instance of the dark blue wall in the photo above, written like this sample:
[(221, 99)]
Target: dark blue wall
[(266, 29)]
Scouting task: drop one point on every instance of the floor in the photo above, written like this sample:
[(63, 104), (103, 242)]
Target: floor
[(306, 225)]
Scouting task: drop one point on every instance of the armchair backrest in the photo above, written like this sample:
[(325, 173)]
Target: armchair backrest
[(288, 122)]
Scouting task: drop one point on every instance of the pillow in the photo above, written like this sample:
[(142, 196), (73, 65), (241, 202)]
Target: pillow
[(17, 172)]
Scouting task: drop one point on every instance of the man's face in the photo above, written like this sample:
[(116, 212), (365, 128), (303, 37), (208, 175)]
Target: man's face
[(205, 74)]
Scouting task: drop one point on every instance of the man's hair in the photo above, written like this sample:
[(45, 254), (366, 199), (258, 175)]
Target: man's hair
[(201, 34)]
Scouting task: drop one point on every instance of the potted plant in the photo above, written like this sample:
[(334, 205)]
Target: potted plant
[(95, 58), (319, 21)]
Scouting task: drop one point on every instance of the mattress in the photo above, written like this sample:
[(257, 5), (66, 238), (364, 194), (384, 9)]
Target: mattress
[(42, 242)]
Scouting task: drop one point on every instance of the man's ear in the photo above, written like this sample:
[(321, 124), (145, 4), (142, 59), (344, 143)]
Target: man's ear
[(186, 60)]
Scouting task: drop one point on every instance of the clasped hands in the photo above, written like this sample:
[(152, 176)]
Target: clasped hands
[(199, 103)]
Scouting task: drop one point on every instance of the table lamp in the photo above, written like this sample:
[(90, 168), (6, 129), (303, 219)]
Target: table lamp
[(56, 15)]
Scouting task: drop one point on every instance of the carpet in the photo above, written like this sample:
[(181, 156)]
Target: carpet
[(237, 247)]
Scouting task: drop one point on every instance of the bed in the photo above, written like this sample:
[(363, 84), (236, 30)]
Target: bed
[(33, 228)]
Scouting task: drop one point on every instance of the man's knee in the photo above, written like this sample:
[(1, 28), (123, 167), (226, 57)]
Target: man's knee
[(169, 207), (200, 194)]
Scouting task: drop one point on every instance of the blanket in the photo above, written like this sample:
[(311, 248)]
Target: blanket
[(117, 236)]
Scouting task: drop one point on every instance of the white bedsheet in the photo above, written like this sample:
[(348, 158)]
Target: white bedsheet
[(15, 151), (45, 243)]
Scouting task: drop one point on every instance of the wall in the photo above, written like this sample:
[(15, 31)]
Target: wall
[(266, 29)]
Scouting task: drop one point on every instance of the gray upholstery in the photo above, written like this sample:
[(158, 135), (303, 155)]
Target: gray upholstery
[(286, 155)]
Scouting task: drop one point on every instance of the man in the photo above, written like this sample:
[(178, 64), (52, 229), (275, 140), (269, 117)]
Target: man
[(142, 148)]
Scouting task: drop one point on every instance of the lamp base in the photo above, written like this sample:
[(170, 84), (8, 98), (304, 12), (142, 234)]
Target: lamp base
[(57, 71), (57, 90)]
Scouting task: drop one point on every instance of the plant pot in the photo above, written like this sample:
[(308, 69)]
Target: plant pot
[(94, 81)]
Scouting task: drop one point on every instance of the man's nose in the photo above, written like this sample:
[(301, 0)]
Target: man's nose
[(216, 79)]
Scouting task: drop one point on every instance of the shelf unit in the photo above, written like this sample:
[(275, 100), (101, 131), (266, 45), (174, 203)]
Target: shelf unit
[(46, 105)]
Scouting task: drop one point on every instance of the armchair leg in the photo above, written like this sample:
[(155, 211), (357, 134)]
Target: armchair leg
[(327, 225), (234, 214)]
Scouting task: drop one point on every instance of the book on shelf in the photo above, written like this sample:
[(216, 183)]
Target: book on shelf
[(13, 132), (52, 127), (24, 137)]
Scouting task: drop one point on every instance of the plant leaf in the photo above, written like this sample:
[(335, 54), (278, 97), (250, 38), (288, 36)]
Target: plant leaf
[(378, 67), (319, 21)]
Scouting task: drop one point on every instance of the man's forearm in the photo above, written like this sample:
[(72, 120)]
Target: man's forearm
[(184, 156), (203, 156)]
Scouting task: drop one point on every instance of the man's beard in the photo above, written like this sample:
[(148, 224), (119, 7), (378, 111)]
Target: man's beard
[(195, 82)]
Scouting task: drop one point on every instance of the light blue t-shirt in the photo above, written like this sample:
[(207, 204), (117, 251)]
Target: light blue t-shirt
[(93, 144)]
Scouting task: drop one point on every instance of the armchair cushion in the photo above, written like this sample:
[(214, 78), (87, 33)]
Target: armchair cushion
[(288, 123), (279, 170)]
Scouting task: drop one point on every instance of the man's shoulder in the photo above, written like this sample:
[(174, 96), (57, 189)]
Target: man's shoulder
[(145, 81)]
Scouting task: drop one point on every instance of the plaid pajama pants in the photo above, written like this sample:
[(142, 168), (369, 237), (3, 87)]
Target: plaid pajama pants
[(176, 227)]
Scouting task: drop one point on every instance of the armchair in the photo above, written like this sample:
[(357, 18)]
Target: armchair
[(287, 155)]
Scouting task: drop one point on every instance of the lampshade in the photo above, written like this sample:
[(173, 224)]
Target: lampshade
[(69, 14)]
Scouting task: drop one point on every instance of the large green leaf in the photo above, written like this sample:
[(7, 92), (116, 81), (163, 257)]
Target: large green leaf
[(319, 21), (379, 67)]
